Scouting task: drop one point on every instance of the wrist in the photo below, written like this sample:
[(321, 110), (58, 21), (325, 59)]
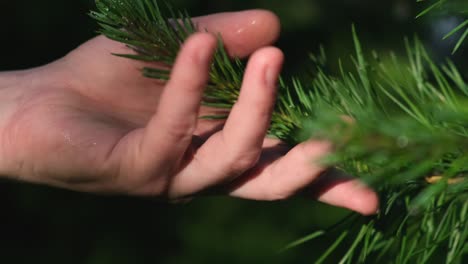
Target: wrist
[(11, 87), (15, 88), (21, 93)]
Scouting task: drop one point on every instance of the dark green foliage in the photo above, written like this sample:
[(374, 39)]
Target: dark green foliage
[(397, 125), (456, 6), (401, 124)]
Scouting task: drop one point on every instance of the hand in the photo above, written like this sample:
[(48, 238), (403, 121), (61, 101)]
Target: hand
[(90, 122)]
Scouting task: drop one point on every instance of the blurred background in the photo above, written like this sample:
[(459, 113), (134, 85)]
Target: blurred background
[(44, 225)]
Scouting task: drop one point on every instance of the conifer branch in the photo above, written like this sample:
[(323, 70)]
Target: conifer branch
[(401, 124)]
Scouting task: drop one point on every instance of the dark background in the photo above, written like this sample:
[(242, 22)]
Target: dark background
[(43, 225)]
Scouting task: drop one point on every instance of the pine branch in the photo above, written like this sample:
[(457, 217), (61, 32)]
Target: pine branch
[(406, 135), (401, 124)]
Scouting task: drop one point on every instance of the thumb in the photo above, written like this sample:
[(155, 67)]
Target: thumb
[(243, 32)]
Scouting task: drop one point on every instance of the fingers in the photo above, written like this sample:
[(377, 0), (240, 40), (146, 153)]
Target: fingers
[(250, 118), (279, 177), (337, 188), (284, 177), (170, 131), (350, 194), (238, 146), (242, 32)]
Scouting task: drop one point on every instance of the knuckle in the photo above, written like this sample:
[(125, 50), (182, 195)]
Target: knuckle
[(317, 148), (241, 164), (179, 129)]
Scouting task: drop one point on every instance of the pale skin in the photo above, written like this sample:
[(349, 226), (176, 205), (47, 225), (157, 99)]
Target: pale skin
[(90, 122)]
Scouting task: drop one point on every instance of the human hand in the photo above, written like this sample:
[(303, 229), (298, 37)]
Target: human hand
[(90, 122)]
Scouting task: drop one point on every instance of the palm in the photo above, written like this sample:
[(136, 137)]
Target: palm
[(107, 99), (66, 134), (117, 84)]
